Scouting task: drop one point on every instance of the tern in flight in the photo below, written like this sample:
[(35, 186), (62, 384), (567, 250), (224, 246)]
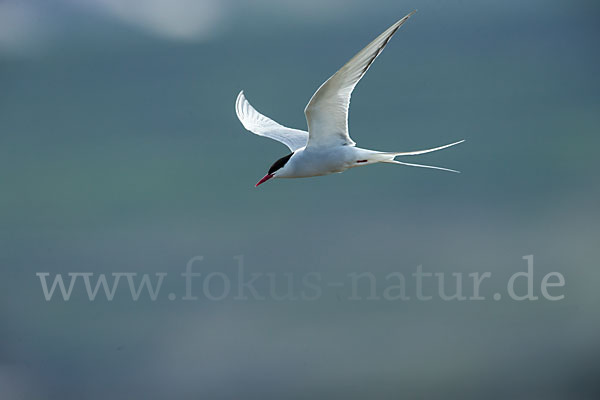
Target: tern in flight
[(327, 147)]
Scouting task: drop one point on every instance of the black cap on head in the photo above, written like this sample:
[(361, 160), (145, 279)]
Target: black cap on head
[(279, 163)]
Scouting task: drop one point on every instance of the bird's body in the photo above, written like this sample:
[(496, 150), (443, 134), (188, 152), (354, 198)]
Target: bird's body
[(327, 147), (306, 161)]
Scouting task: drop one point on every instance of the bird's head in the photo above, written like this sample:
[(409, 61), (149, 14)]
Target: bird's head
[(277, 169)]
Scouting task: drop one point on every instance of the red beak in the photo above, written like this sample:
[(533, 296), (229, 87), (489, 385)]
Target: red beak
[(264, 179)]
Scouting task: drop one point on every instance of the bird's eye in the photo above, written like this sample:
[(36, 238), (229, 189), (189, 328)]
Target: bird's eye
[(279, 163)]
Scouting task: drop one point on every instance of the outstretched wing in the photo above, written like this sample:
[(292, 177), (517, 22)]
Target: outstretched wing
[(327, 111), (261, 125)]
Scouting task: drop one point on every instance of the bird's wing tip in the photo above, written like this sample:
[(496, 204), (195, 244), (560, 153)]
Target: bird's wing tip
[(407, 16), (239, 107)]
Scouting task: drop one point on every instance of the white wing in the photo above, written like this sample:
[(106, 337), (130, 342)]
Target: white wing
[(261, 125), (327, 111)]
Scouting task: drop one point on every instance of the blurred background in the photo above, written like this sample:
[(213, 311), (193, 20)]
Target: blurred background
[(121, 152)]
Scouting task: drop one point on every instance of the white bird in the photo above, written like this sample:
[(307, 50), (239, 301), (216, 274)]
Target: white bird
[(327, 147)]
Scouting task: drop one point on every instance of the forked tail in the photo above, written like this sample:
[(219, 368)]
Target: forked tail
[(390, 157)]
